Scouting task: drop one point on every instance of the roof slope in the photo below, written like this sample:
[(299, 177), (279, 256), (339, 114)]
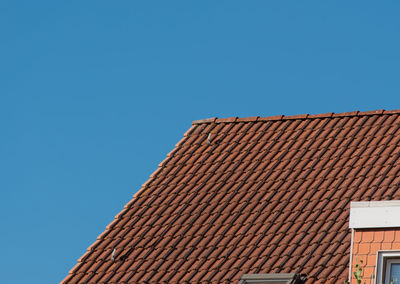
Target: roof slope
[(267, 195)]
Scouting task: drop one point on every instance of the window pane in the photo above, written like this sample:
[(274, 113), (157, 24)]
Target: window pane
[(395, 272)]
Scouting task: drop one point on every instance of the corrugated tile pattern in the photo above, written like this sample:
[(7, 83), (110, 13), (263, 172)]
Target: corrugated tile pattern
[(257, 195)]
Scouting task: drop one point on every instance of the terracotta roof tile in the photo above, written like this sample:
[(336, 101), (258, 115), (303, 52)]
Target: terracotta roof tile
[(302, 116), (278, 117), (207, 120), (268, 194)]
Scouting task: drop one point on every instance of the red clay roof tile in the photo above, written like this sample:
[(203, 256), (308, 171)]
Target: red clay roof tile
[(268, 194), (248, 119), (301, 116), (278, 117), (207, 120)]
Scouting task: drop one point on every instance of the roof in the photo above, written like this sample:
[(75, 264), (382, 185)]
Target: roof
[(251, 195)]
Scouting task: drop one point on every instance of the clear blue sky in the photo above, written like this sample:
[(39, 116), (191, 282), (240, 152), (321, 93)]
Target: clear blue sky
[(94, 94)]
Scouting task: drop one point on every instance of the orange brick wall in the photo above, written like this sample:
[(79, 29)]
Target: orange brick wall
[(366, 244)]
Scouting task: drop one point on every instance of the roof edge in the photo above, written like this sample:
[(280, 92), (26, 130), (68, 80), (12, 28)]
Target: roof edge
[(294, 117)]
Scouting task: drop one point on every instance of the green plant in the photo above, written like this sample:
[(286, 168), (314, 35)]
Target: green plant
[(358, 273)]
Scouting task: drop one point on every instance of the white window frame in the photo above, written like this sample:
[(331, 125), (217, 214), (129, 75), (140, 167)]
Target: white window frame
[(384, 259), (389, 263)]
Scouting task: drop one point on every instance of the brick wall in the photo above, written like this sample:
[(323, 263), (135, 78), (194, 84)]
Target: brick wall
[(366, 244)]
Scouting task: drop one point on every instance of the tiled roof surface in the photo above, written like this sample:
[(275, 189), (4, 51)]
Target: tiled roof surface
[(267, 195)]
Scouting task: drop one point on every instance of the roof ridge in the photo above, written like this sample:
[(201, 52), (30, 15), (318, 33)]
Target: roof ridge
[(294, 117)]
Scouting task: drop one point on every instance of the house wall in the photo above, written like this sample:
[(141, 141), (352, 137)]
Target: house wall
[(366, 244)]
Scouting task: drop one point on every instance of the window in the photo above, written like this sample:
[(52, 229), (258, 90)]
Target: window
[(392, 270), (388, 267), (283, 278)]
